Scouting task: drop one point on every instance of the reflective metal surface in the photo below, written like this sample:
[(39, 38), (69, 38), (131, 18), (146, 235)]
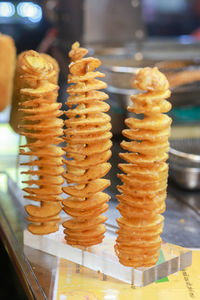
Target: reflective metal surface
[(186, 150), (184, 158)]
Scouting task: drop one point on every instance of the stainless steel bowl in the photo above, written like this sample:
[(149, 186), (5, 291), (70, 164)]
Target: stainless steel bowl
[(188, 178), (120, 85), (119, 99), (120, 64), (122, 77), (184, 161)]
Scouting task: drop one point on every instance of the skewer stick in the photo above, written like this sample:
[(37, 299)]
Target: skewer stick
[(18, 160)]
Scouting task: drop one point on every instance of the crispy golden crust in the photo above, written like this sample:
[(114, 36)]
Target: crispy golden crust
[(151, 79), (36, 89), (21, 82), (144, 183), (88, 148), (7, 69)]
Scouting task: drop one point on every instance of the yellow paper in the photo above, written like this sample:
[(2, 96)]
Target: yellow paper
[(89, 285)]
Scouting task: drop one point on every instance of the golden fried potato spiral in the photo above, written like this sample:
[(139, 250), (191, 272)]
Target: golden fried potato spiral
[(143, 192), (7, 69), (87, 136), (20, 82), (40, 123)]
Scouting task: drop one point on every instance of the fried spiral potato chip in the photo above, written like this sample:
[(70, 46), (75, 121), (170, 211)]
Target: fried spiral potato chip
[(88, 144), (27, 80), (143, 193), (7, 69), (37, 95)]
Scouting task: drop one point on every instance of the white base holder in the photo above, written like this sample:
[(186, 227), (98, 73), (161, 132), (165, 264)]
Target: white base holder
[(102, 258)]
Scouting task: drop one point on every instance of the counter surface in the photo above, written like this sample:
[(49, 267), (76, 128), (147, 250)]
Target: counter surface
[(37, 269)]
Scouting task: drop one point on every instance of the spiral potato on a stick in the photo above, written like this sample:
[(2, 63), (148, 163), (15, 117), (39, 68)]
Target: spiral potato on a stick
[(19, 83), (88, 144), (41, 125), (7, 69), (143, 192)]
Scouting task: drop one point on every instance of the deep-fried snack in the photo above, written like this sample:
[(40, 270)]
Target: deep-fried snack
[(143, 192), (23, 81), (88, 146), (37, 95), (179, 72), (183, 77), (7, 69)]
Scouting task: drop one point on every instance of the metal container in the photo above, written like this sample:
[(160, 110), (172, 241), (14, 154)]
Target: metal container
[(184, 160), (121, 65), (119, 99), (183, 94), (120, 88)]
